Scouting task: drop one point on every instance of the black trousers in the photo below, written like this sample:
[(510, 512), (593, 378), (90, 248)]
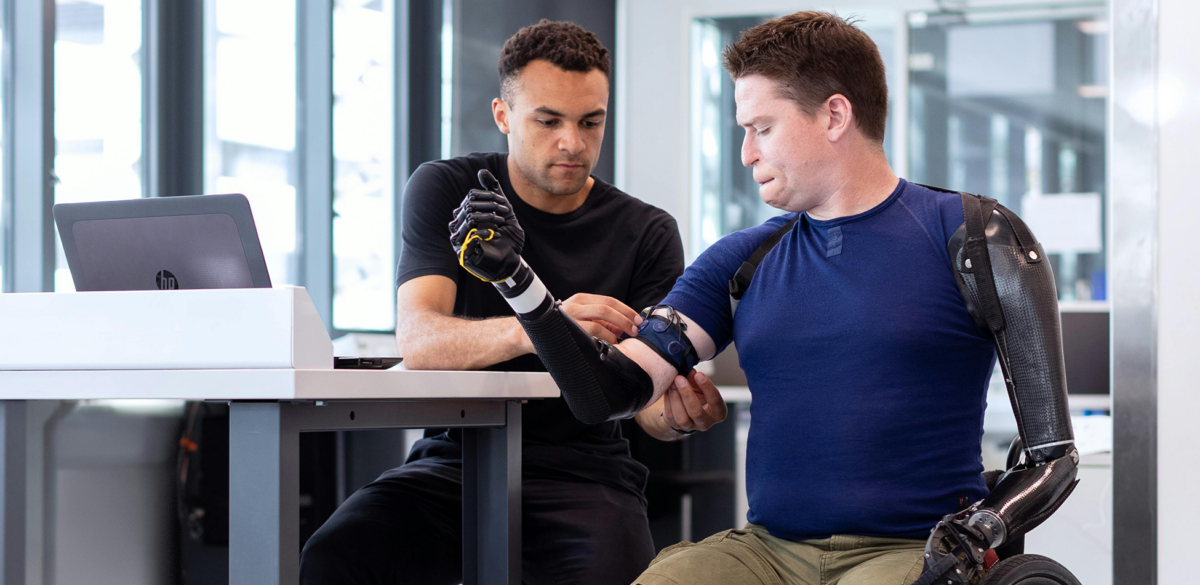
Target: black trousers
[(406, 527)]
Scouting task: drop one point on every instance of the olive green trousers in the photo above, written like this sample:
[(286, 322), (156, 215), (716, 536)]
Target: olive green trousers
[(751, 556)]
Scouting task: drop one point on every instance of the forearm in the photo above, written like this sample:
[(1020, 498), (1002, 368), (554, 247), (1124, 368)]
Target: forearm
[(655, 424), (598, 381), (432, 341)]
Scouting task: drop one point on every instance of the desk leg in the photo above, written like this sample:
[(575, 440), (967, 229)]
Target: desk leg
[(492, 502), (12, 492), (264, 495)]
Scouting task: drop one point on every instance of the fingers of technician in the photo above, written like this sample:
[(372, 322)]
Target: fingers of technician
[(605, 311)]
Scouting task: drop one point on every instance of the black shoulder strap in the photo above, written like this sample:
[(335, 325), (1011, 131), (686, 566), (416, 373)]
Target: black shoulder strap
[(977, 211), (745, 273)]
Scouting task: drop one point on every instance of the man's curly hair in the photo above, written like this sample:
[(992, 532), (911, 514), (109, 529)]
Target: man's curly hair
[(565, 45)]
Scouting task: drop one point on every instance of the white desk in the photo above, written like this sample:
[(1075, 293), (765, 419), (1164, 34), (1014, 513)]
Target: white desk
[(269, 408)]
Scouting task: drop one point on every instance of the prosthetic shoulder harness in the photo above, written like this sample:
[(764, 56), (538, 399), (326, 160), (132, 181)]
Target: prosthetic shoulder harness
[(1008, 287)]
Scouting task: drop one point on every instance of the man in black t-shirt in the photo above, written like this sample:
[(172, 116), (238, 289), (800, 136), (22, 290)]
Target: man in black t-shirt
[(583, 508)]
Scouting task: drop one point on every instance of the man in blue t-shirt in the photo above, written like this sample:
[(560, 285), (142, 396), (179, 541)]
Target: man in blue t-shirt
[(868, 334)]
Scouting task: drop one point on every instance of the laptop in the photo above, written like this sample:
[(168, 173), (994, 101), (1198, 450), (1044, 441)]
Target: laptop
[(164, 243)]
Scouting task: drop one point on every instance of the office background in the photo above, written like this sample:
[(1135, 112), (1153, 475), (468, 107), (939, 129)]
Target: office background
[(318, 111)]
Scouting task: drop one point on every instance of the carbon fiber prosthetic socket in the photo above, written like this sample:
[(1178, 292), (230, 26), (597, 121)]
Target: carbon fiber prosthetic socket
[(598, 382), (1029, 344)]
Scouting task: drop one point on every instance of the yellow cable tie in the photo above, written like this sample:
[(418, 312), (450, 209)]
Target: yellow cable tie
[(471, 236)]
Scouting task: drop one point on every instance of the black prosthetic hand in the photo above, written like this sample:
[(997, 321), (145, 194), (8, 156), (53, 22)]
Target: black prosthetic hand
[(597, 381), (485, 232)]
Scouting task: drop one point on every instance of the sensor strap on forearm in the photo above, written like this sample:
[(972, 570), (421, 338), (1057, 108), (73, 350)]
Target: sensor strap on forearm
[(666, 334)]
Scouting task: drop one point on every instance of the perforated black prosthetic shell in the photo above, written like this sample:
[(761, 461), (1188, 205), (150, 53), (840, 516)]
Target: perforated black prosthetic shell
[(1027, 332), (598, 382)]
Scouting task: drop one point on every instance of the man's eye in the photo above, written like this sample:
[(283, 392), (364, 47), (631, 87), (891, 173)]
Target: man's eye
[(763, 131), (591, 124), (547, 123)]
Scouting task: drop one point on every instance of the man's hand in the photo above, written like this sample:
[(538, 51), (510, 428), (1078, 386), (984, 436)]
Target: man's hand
[(693, 404), (485, 232), (602, 317)]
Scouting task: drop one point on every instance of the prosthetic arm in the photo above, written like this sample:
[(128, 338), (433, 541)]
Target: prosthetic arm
[(598, 382), (1009, 290)]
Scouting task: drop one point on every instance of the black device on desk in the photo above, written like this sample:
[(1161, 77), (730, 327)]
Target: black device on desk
[(167, 243), (364, 363)]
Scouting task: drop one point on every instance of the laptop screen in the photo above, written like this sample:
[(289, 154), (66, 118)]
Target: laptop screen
[(198, 242)]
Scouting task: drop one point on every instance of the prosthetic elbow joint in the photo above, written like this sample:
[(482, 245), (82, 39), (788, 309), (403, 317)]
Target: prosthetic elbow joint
[(1023, 498)]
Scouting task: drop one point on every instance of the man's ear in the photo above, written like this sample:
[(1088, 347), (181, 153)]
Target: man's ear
[(841, 116), (500, 114)]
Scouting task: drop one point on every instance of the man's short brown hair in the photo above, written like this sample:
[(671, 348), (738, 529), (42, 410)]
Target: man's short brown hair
[(565, 45), (814, 55)]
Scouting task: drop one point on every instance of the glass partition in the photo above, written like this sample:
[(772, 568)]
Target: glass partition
[(97, 106), (363, 198), (4, 195), (250, 119), (1011, 104)]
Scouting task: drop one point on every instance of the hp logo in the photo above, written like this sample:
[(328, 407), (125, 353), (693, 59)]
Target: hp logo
[(166, 281)]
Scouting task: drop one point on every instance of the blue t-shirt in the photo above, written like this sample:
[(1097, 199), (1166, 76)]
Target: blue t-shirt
[(867, 373)]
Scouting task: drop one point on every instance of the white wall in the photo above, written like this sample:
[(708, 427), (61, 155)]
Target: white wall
[(1179, 290), (115, 494), (114, 526)]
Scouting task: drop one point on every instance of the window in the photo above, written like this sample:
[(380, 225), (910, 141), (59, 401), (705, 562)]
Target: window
[(4, 228), (363, 193), (97, 106), (1011, 104), (250, 119)]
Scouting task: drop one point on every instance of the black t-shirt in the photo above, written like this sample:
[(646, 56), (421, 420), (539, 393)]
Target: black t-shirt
[(611, 245)]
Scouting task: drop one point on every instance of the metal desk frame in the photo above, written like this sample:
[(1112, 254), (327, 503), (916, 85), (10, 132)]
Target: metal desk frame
[(264, 441)]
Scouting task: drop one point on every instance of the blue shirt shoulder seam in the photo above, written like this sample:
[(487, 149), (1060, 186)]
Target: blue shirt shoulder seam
[(926, 230)]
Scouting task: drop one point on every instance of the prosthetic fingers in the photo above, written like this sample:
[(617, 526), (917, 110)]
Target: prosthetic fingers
[(1009, 290), (598, 382)]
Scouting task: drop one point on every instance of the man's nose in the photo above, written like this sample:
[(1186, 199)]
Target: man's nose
[(570, 141), (749, 152)]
